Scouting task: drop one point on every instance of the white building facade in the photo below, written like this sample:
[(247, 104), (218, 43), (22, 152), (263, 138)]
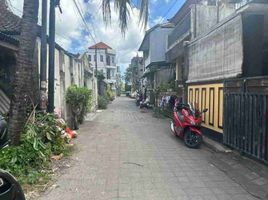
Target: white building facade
[(103, 57)]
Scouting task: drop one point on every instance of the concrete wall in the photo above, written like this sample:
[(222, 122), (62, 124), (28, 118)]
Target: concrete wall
[(158, 44), (57, 96), (206, 17), (69, 70), (218, 54), (225, 10)]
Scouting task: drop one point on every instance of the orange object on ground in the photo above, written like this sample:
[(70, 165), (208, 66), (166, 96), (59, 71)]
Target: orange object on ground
[(70, 132)]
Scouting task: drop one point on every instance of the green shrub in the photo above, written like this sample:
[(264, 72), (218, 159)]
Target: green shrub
[(79, 99), (41, 138), (103, 102), (109, 93)]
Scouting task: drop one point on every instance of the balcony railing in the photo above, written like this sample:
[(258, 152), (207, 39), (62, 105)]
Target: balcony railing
[(180, 29), (111, 51)]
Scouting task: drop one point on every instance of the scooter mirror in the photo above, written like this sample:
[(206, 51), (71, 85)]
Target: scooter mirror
[(205, 110)]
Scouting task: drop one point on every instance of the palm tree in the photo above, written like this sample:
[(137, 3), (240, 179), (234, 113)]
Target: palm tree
[(122, 6), (25, 63)]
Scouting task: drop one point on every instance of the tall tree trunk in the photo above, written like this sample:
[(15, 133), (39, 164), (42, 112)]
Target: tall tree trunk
[(23, 76)]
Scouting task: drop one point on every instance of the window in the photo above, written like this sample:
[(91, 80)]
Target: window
[(112, 59), (101, 58), (108, 60), (94, 58), (108, 74), (89, 57)]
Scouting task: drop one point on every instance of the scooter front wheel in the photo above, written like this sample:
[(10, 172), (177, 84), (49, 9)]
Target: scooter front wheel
[(192, 140)]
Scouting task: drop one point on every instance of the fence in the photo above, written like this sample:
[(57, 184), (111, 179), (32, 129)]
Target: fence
[(245, 119)]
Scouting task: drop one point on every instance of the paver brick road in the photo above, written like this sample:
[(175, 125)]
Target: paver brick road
[(126, 154)]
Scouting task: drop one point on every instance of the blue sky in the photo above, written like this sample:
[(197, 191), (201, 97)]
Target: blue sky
[(73, 35), (164, 8)]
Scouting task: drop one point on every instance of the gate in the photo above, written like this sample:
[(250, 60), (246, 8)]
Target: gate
[(246, 121)]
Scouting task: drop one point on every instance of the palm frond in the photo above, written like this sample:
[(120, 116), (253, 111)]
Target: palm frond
[(106, 11), (144, 12), (122, 7)]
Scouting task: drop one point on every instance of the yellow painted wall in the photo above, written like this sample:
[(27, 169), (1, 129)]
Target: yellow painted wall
[(178, 70), (208, 96)]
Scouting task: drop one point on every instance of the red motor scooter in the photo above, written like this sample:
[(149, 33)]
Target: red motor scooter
[(186, 124)]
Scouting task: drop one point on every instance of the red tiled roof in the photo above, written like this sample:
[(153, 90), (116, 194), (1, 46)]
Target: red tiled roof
[(100, 45)]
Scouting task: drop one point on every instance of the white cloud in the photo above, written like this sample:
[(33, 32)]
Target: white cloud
[(70, 28), (16, 6), (127, 46)]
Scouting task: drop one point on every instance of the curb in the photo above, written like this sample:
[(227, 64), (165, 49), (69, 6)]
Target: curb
[(215, 145)]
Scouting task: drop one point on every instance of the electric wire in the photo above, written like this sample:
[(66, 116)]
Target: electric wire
[(169, 9), (21, 12), (84, 21), (91, 22)]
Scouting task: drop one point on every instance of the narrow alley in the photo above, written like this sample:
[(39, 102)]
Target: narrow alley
[(127, 154)]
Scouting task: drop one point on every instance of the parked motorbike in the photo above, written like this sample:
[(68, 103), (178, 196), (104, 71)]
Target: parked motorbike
[(138, 99), (145, 104), (3, 132), (186, 124), (10, 189)]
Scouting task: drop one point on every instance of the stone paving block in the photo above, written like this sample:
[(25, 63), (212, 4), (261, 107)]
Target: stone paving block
[(125, 154)]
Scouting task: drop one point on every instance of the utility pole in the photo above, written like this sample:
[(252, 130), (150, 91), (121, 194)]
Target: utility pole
[(43, 67), (51, 80), (96, 61), (96, 69)]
